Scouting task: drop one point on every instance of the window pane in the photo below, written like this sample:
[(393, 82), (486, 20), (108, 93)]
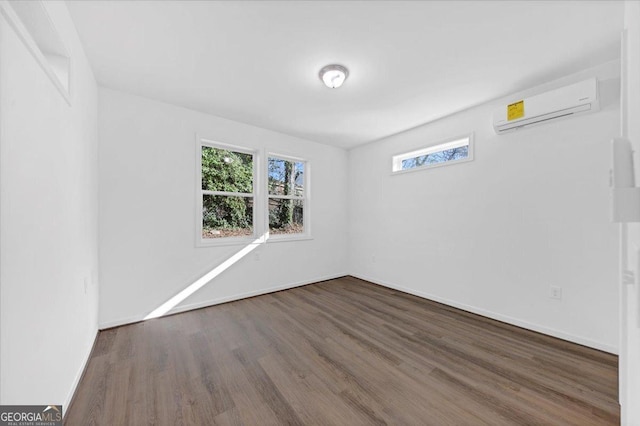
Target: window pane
[(224, 170), (286, 177), (285, 216), (298, 179), (436, 157), (226, 216)]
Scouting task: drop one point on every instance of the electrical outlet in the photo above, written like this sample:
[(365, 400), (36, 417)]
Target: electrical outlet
[(555, 292), (86, 284), (256, 256), (628, 277), (373, 258)]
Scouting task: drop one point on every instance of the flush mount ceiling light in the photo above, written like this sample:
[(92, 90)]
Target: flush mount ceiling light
[(333, 75)]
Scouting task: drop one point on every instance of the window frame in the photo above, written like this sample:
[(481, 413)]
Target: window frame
[(397, 159), (258, 234), (306, 213)]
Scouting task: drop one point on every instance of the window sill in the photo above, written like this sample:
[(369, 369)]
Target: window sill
[(431, 166), (283, 238), (229, 242), (251, 241)]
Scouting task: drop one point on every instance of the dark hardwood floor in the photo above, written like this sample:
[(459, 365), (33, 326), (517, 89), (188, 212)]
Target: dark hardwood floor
[(341, 352)]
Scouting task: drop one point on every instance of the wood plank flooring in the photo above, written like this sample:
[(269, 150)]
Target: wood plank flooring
[(340, 352)]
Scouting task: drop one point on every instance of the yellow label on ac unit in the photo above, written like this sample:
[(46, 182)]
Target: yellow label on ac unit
[(515, 110)]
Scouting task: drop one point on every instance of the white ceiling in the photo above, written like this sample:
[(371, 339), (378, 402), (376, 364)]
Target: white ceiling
[(409, 62)]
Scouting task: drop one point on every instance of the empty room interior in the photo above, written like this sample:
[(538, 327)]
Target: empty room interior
[(320, 212)]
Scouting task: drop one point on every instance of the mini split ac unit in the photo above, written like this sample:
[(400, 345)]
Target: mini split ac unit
[(579, 98)]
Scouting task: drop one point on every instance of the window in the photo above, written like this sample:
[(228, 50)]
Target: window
[(31, 21), (287, 196), (452, 151), (239, 203), (227, 192)]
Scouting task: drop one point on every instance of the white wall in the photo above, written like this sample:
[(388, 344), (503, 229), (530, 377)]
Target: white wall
[(147, 211), (491, 235), (48, 221), (630, 294)]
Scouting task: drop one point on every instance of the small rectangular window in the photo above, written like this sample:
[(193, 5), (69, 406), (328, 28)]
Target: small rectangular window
[(228, 193), (32, 23), (452, 151), (287, 196)]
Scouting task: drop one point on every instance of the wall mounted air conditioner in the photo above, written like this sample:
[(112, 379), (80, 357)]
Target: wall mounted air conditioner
[(578, 98)]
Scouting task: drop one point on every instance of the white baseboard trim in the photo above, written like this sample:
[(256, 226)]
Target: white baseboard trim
[(212, 302), (496, 316), (122, 321), (473, 309), (76, 381)]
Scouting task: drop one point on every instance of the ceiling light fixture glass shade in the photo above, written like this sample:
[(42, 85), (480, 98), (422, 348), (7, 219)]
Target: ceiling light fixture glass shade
[(334, 75)]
